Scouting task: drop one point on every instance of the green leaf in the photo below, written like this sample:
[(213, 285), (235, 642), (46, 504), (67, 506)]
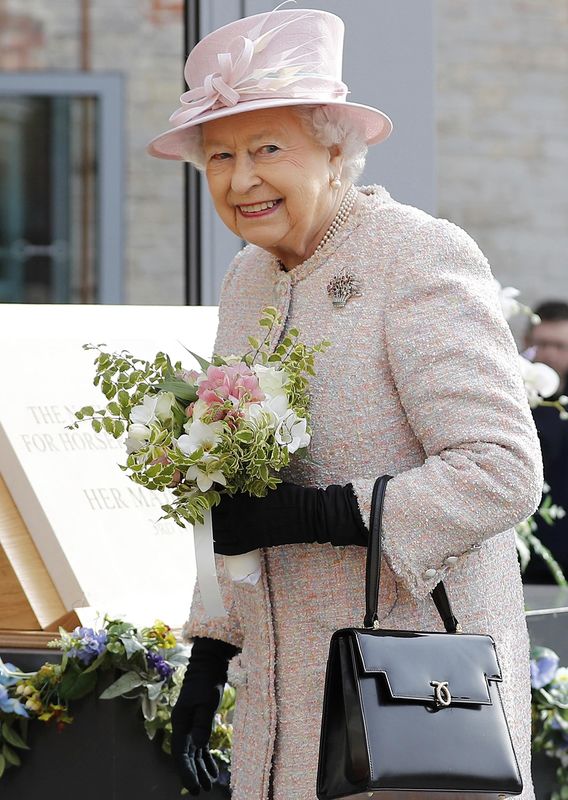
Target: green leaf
[(2, 765), (75, 685), (126, 682), (149, 708), (108, 425), (13, 738), (203, 363), (154, 690), (123, 398), (131, 645), (246, 437), (11, 756), (108, 389), (97, 425), (180, 389), (118, 428)]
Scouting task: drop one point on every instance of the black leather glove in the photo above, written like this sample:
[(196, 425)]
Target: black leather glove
[(289, 514), (194, 712)]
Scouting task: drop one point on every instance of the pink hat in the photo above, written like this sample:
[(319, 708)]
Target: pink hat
[(281, 58)]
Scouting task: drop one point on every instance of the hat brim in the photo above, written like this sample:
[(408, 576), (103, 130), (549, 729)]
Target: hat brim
[(173, 144)]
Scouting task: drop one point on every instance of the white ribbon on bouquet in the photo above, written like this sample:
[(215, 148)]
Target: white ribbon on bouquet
[(243, 568)]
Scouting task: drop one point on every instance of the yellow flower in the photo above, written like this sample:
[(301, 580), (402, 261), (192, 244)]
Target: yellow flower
[(47, 671), (34, 703)]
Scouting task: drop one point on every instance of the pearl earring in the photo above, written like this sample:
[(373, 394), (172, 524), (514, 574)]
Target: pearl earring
[(335, 182)]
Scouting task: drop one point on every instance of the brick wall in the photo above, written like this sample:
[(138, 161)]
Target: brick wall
[(141, 39), (502, 107)]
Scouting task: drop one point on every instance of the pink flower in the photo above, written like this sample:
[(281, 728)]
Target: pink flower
[(187, 375), (234, 382)]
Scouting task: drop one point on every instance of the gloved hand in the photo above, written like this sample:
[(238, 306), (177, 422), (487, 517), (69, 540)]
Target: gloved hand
[(289, 514), (194, 712)]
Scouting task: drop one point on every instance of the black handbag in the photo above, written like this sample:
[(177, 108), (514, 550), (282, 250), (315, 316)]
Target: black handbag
[(412, 712)]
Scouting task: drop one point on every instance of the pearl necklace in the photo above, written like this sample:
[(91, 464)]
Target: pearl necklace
[(340, 218)]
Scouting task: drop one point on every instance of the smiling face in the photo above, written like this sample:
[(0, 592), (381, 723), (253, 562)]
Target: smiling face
[(270, 181)]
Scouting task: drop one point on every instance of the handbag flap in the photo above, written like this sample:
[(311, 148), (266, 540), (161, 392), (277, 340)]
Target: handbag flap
[(414, 662)]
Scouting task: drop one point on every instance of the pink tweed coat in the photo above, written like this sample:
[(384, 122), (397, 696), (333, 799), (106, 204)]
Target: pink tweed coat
[(421, 383)]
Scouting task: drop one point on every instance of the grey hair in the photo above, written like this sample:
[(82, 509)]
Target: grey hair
[(329, 124), (332, 125)]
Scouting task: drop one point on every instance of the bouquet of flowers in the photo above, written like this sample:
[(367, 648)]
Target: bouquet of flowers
[(230, 427), (550, 711)]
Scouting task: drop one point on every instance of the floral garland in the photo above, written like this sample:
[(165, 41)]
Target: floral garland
[(549, 709), (151, 664)]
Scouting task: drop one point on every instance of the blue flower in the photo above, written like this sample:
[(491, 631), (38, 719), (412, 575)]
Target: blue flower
[(160, 664), (5, 678), (9, 705), (543, 667), (87, 644)]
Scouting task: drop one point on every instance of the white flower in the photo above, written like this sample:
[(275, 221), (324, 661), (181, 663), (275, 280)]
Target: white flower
[(199, 435), (166, 401), (509, 305), (199, 409), (271, 380), (203, 479), (154, 407), (540, 380), (270, 411), (545, 488), (138, 436), (292, 433), (556, 512)]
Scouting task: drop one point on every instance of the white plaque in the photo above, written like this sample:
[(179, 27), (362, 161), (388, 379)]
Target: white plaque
[(97, 532)]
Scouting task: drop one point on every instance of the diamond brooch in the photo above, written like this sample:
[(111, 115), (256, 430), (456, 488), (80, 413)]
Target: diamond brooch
[(342, 287)]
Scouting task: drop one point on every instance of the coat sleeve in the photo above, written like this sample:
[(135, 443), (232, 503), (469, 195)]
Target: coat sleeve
[(455, 366), (228, 628)]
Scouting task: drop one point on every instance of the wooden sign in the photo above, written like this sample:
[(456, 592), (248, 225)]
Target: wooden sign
[(75, 532)]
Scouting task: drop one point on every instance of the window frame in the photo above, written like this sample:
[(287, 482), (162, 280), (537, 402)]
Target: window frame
[(107, 89)]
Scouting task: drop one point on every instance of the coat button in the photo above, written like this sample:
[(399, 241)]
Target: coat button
[(430, 573), (451, 559)]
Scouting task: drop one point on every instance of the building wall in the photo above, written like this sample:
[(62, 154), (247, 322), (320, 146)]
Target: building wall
[(502, 117), (502, 110), (142, 39)]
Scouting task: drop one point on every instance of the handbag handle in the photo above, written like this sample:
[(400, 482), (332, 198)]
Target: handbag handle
[(373, 568)]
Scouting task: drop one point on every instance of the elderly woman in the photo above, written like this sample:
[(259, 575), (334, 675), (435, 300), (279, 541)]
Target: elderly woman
[(421, 383)]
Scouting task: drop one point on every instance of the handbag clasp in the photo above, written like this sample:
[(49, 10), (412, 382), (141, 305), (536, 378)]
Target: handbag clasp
[(442, 693)]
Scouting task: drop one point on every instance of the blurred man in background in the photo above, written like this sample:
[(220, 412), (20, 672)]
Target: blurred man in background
[(549, 343)]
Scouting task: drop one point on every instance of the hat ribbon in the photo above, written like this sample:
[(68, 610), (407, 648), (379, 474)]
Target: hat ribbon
[(236, 81)]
